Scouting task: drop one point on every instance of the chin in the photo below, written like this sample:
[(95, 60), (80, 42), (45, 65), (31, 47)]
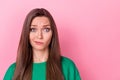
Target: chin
[(40, 48)]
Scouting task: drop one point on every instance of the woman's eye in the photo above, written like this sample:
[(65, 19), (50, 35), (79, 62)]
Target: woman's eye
[(33, 29), (46, 29)]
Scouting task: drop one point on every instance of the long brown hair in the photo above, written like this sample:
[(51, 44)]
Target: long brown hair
[(24, 61)]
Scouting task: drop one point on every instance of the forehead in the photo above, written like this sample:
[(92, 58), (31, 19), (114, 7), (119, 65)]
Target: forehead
[(41, 20)]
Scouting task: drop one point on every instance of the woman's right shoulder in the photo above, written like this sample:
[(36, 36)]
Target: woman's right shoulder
[(12, 66), (10, 72)]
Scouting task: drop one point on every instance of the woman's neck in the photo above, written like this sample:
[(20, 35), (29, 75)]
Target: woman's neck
[(40, 55)]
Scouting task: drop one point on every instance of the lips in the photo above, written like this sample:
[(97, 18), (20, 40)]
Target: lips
[(39, 43)]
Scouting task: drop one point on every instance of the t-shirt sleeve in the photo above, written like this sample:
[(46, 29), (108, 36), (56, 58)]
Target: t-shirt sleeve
[(9, 73), (70, 70), (73, 72)]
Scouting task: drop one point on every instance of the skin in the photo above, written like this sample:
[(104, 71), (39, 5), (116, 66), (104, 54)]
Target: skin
[(40, 37)]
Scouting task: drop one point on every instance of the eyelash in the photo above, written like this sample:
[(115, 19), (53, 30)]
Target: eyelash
[(43, 29), (47, 29), (32, 29)]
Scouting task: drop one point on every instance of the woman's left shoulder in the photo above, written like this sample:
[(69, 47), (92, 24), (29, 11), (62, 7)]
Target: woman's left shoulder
[(69, 69), (67, 61)]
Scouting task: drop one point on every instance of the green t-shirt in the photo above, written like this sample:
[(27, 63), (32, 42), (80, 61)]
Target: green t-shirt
[(69, 70)]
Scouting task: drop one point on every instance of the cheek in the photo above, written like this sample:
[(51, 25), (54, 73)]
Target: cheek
[(31, 37), (48, 38)]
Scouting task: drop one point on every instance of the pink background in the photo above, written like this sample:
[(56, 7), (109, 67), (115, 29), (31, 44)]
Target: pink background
[(89, 32)]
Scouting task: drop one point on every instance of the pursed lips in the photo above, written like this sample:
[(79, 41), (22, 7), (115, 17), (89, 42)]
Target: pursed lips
[(38, 42)]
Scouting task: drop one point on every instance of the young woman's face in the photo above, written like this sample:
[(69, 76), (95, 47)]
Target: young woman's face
[(40, 33)]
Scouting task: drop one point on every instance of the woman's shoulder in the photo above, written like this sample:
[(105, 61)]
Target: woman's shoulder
[(10, 71), (69, 69), (67, 61), (12, 66)]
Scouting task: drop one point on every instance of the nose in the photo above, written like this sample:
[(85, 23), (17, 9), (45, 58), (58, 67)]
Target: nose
[(39, 34)]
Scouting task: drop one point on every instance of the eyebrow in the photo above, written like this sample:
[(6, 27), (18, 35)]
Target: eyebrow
[(43, 25), (33, 25)]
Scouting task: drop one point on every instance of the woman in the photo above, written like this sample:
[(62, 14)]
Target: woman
[(38, 56)]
